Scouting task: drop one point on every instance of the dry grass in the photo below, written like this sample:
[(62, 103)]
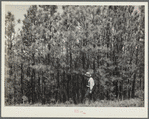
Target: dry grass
[(103, 103), (124, 103)]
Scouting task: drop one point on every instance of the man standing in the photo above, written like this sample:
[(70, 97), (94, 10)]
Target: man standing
[(90, 85)]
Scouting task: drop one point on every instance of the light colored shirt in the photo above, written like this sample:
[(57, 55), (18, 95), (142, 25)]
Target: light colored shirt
[(91, 83)]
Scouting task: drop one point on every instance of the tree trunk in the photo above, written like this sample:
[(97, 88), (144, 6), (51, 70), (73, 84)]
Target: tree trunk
[(143, 84), (134, 77), (122, 93), (70, 73), (88, 62), (128, 89), (33, 80), (39, 92), (118, 91), (83, 60), (77, 90), (48, 59), (33, 85), (14, 84), (98, 61), (63, 82), (94, 64), (22, 79), (133, 85), (58, 86), (82, 90), (43, 94), (140, 84), (68, 87)]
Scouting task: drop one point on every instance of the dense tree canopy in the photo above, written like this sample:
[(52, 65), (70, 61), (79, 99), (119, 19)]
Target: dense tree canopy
[(54, 50)]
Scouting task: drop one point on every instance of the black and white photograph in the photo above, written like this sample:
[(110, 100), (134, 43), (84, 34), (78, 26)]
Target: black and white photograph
[(74, 56)]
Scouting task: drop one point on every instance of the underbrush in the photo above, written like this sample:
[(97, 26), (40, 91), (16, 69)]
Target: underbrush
[(102, 103), (124, 103)]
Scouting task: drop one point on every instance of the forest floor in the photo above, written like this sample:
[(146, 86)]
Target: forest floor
[(102, 103)]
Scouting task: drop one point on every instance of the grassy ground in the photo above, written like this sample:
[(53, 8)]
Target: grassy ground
[(103, 103)]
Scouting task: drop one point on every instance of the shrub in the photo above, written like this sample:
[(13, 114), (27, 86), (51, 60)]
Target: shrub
[(53, 101), (140, 94), (71, 101), (67, 102), (7, 102), (24, 99)]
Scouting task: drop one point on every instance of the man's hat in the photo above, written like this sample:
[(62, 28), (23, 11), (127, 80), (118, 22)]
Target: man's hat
[(88, 74)]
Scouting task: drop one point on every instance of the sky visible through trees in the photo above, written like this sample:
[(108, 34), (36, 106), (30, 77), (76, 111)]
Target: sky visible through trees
[(47, 58)]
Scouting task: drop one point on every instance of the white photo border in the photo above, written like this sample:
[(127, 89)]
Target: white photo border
[(96, 112)]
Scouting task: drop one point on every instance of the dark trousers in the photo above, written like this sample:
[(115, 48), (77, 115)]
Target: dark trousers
[(88, 94)]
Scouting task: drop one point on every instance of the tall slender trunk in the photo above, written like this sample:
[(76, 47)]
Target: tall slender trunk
[(76, 92), (130, 92), (33, 79), (48, 59), (58, 86), (14, 83), (39, 92), (68, 87), (98, 61), (99, 88), (133, 86), (143, 84), (118, 91), (22, 79), (63, 82), (94, 64), (88, 62), (77, 89), (43, 94), (140, 84), (83, 60), (128, 89), (67, 84), (44, 91), (33, 86), (122, 93), (134, 77), (83, 80), (70, 72)]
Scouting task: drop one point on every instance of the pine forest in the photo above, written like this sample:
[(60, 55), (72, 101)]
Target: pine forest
[(45, 60)]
